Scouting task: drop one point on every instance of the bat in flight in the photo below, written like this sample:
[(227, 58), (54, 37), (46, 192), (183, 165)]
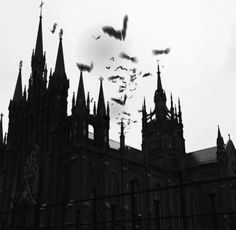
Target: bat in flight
[(83, 67), (128, 114), (54, 28), (117, 34), (121, 67), (115, 77), (119, 101), (126, 56), (96, 37), (158, 52), (147, 74)]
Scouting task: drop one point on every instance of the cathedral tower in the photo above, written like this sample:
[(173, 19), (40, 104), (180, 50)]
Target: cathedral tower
[(162, 131)]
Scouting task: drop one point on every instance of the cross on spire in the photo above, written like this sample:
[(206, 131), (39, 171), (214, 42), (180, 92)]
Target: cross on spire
[(20, 65), (41, 8), (61, 33)]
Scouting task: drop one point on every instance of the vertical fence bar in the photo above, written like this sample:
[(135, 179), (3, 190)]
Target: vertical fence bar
[(139, 221), (182, 198), (63, 210), (157, 214), (213, 208), (77, 219), (113, 216), (94, 214), (133, 206)]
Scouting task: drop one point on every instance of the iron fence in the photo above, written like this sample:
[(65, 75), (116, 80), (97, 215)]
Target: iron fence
[(206, 204)]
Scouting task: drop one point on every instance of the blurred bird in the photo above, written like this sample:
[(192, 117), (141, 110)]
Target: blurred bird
[(158, 52), (96, 38), (121, 67), (133, 70), (115, 77), (128, 114), (126, 56), (41, 4), (147, 74), (120, 101), (54, 28), (112, 59), (83, 67), (108, 67), (118, 34)]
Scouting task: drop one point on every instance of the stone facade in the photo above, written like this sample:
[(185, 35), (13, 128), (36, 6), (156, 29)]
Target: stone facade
[(49, 160)]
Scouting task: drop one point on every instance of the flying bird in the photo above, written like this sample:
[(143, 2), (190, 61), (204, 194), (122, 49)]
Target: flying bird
[(120, 101), (133, 70), (126, 56), (96, 37), (108, 67), (158, 52), (147, 74), (54, 28), (83, 67), (117, 34), (133, 77), (115, 77), (121, 67), (125, 23), (112, 59), (128, 114), (41, 4)]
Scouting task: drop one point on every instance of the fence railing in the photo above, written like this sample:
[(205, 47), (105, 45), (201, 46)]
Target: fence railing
[(207, 204)]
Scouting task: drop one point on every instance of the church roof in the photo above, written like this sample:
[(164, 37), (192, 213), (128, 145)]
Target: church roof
[(207, 155), (203, 156)]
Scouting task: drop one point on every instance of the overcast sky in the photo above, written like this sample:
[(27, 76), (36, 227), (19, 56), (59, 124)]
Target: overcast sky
[(200, 68)]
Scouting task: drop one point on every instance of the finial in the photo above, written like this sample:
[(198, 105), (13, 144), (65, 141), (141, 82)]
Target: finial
[(61, 33), (229, 137), (101, 79), (41, 7), (20, 64), (158, 67)]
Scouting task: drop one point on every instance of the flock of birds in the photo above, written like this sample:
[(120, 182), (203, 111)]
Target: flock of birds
[(124, 76)]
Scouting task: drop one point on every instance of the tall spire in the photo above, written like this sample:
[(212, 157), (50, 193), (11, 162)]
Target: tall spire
[(101, 102), (39, 42), (171, 107), (220, 141), (1, 129), (60, 66), (160, 98), (179, 113), (80, 100), (18, 89), (159, 85)]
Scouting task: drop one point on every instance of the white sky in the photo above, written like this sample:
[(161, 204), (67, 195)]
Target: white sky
[(200, 69)]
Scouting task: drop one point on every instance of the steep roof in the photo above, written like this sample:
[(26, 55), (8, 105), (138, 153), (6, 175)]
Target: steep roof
[(200, 157), (207, 155)]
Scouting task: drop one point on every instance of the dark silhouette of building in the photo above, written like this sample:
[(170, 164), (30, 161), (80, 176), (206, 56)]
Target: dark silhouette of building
[(49, 159)]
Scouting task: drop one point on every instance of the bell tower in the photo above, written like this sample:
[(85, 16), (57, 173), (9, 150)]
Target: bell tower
[(162, 131)]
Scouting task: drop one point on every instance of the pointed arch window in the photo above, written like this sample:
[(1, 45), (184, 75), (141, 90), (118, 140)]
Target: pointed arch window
[(137, 196)]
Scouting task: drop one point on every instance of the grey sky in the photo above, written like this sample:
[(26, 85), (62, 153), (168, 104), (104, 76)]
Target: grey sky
[(200, 69)]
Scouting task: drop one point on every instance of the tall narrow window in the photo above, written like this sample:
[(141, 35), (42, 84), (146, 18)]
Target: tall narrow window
[(91, 132), (137, 196)]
